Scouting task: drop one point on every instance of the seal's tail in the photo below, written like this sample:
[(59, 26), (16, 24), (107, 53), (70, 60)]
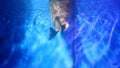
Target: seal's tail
[(52, 33)]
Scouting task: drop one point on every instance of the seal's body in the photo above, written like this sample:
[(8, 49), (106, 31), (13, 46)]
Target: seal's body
[(59, 10)]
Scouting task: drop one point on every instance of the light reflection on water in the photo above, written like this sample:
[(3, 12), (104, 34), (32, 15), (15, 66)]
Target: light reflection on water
[(45, 53)]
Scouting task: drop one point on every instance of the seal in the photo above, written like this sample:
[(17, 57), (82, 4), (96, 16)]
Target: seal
[(59, 10)]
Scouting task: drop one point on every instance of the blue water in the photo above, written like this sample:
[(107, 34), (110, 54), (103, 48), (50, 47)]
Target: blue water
[(92, 41)]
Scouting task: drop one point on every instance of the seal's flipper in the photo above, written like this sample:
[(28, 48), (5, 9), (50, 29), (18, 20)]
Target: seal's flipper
[(52, 33)]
